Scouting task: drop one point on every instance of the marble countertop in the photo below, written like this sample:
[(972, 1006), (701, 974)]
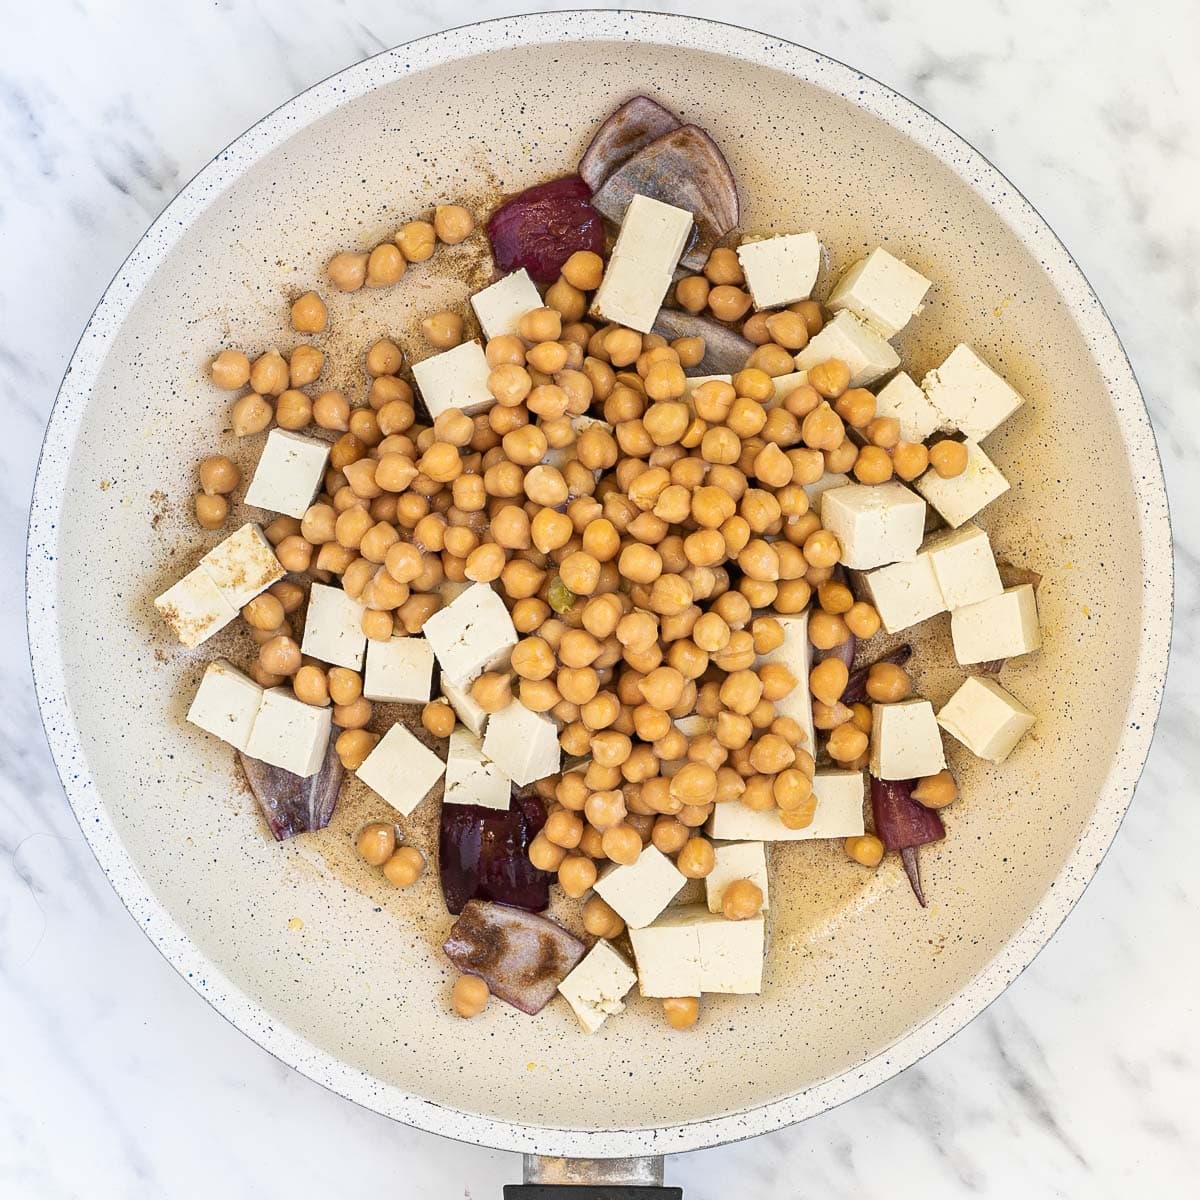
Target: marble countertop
[(116, 1080)]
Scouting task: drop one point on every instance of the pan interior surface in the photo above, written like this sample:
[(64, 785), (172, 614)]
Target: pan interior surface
[(325, 950)]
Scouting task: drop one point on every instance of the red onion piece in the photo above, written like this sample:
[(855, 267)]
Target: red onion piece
[(900, 822), (292, 804), (541, 227), (725, 350), (856, 689), (635, 124)]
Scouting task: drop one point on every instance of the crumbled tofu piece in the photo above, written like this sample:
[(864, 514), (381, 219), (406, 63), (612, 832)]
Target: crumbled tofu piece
[(522, 743), (963, 564), (653, 236), (839, 814), (1003, 626), (985, 718), (597, 987), (472, 634), (243, 565), (875, 524), (971, 397), (781, 270), (290, 734), (731, 955), (734, 861), (868, 356), (905, 742), (785, 385), (901, 398), (472, 777), (905, 593), (455, 378), (333, 627), (288, 474), (667, 953), (816, 491), (399, 671), (957, 500), (226, 703), (401, 769), (501, 306), (881, 289), (195, 608), (640, 891), (468, 711), (796, 654)]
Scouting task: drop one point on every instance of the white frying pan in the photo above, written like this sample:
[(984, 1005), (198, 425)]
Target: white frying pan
[(324, 964)]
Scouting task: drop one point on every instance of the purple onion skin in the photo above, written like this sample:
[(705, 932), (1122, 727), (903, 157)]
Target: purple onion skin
[(856, 689), (541, 227), (635, 124), (903, 824), (292, 804), (483, 854), (845, 652)]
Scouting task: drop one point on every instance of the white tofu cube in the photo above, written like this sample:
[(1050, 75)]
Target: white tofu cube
[(905, 742), (906, 593), (667, 953), (957, 500), (455, 378), (399, 671), (881, 289), (816, 491), (781, 270), (839, 814), (734, 861), (472, 777), (795, 653), (468, 711), (731, 955), (288, 474), (641, 890), (963, 564), (901, 398), (333, 627), (195, 608), (472, 634), (653, 236), (985, 718), (1003, 626), (522, 743), (290, 734), (971, 397), (868, 356), (226, 703), (401, 769), (597, 987), (875, 523), (501, 306), (243, 565)]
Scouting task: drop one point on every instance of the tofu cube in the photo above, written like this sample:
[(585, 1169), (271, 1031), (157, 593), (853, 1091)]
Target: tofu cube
[(333, 627), (731, 955), (288, 474), (641, 890), (1003, 626), (905, 741), (957, 500), (290, 734), (653, 236), (195, 608), (226, 703), (795, 653), (839, 814), (471, 634), (522, 743), (781, 270), (597, 987), (881, 289), (905, 593), (468, 711), (734, 861), (971, 397), (455, 378), (472, 777), (243, 565), (963, 564), (667, 953), (985, 718), (401, 769), (875, 523), (901, 398), (501, 306), (816, 491), (868, 356), (399, 671)]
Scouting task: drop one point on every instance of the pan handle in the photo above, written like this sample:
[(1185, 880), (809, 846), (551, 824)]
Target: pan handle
[(592, 1179)]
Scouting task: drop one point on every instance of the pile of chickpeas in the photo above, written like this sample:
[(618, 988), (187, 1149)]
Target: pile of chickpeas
[(645, 558)]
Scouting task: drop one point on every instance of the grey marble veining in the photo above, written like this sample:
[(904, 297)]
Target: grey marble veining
[(116, 1080)]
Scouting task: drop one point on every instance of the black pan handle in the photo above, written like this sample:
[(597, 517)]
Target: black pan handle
[(603, 1191)]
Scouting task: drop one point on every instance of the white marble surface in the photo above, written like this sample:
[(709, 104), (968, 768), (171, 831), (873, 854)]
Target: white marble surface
[(116, 1080)]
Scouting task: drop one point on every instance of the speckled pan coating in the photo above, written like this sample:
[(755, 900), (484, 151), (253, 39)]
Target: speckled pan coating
[(318, 960)]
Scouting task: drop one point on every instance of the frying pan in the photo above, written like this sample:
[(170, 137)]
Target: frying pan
[(315, 957)]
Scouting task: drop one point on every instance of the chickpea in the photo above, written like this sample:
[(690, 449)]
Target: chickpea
[(492, 691), (789, 329), (311, 686), (909, 459), (724, 267), (532, 658), (540, 325), (866, 849), (728, 303), (443, 330), (544, 854), (826, 630), (584, 270), (250, 414), (230, 370), (936, 791), (347, 272), (309, 314), (830, 378), (622, 843), (822, 429), (846, 743), (384, 358), (791, 789), (269, 374), (305, 366), (681, 1012), (280, 655), (376, 842), (438, 718), (385, 266), (264, 612), (742, 900), (290, 595), (856, 406), (352, 748), (563, 828), (331, 410), (887, 683), (697, 859), (293, 410), (580, 573), (821, 549), (948, 459), (741, 691), (872, 464), (768, 635), (576, 875), (470, 996), (405, 867), (546, 486), (827, 680), (417, 241)]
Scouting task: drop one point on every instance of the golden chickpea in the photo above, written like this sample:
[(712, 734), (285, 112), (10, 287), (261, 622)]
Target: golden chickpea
[(309, 314), (438, 718), (724, 267), (872, 464), (681, 1012), (347, 272), (547, 357), (662, 687), (822, 429), (563, 828), (909, 459), (846, 743), (728, 303), (311, 686), (568, 301), (884, 431), (640, 564), (305, 366), (485, 563), (544, 854), (622, 843), (936, 791), (492, 691), (741, 691), (742, 900), (821, 549), (720, 445), (584, 270), (696, 859), (250, 414), (861, 717), (692, 293), (470, 996), (293, 410), (541, 325), (580, 573), (230, 370), (827, 680), (295, 554), (576, 875), (352, 748), (264, 612), (417, 241), (862, 620), (218, 475), (948, 459), (601, 540), (385, 266), (331, 410), (887, 683), (791, 789), (405, 867), (384, 358), (546, 486), (280, 655), (376, 842), (830, 378), (666, 381), (866, 850), (269, 374), (532, 658), (771, 754), (772, 359), (690, 351), (768, 635), (856, 406), (826, 630), (443, 330), (789, 329)]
